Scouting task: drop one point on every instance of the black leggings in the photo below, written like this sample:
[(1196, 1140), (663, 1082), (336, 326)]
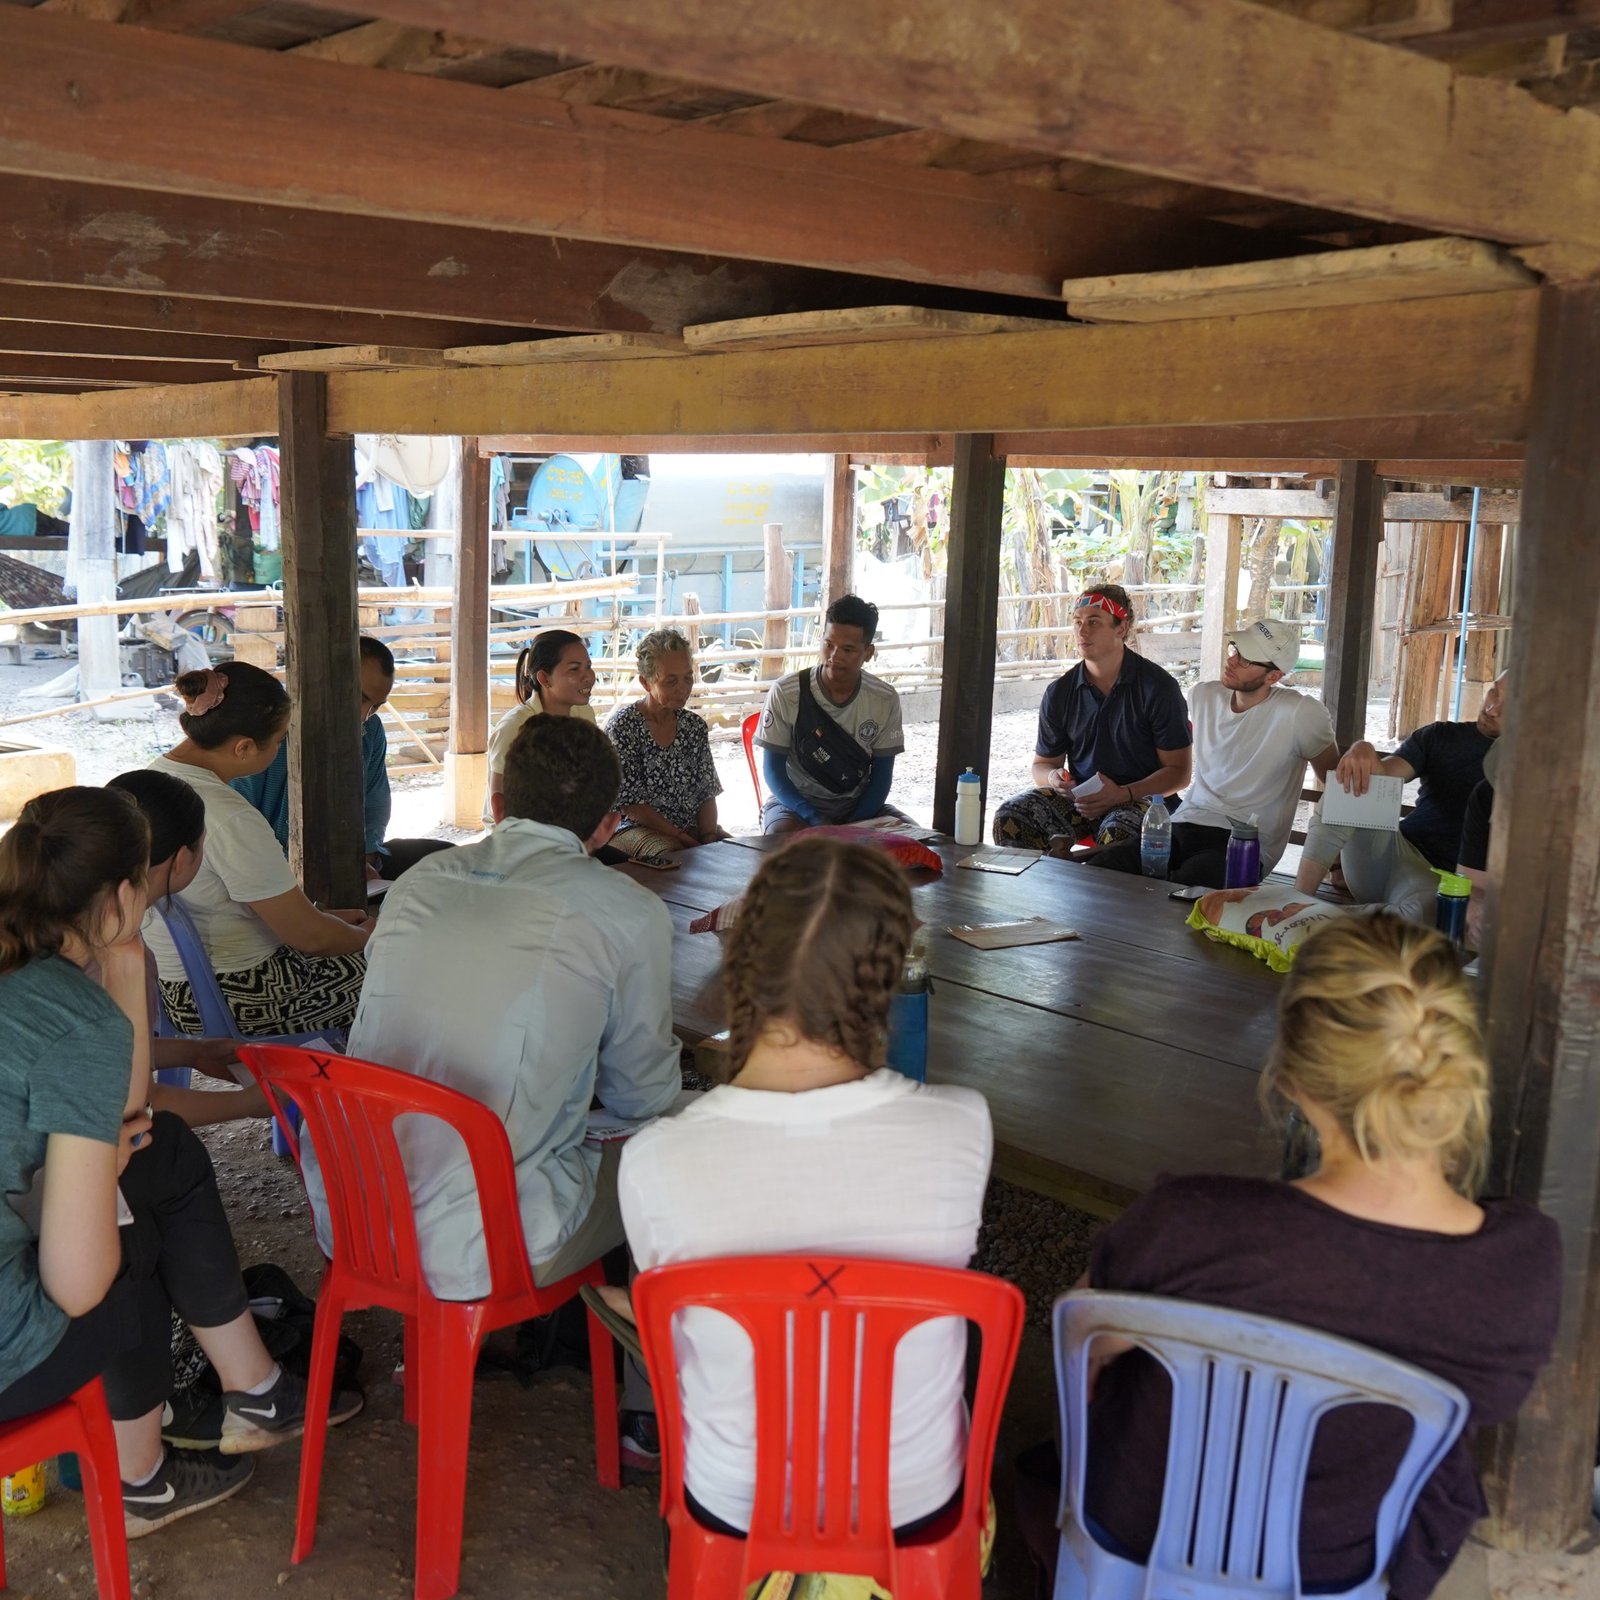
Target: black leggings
[(177, 1255), (1199, 855)]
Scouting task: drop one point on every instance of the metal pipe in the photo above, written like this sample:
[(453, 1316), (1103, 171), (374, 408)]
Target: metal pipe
[(1466, 606)]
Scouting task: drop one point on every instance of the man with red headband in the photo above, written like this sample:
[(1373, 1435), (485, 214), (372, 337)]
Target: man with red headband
[(1113, 731)]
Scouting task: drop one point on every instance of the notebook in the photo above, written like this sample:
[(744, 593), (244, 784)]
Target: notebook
[(1377, 809)]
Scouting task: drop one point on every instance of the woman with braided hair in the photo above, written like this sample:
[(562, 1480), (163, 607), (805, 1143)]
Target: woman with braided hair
[(1385, 1243), (814, 1145)]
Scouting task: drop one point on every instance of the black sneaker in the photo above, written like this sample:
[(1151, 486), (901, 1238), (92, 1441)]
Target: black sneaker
[(189, 1481), (260, 1421), (641, 1441), (192, 1419)]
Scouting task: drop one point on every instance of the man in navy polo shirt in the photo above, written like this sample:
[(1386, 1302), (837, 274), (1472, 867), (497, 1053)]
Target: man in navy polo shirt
[(1113, 731)]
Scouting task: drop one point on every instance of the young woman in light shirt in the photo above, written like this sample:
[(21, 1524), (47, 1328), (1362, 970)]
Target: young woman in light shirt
[(283, 964)]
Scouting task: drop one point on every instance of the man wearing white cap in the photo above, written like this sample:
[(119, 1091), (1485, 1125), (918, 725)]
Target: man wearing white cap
[(1252, 739)]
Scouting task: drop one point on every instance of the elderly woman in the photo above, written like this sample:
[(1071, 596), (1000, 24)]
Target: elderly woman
[(669, 783)]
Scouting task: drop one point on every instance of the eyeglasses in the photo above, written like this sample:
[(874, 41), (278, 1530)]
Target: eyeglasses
[(1234, 655)]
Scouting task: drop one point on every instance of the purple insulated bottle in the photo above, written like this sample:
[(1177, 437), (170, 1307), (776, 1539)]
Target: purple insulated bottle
[(1244, 855)]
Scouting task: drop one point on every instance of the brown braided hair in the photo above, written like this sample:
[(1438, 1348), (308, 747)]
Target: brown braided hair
[(818, 946)]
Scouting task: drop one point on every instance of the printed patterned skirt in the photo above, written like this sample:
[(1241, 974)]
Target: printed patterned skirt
[(1035, 816), (288, 993)]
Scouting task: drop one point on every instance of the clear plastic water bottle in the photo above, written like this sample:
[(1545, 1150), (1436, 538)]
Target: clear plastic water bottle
[(907, 1048), (1155, 840)]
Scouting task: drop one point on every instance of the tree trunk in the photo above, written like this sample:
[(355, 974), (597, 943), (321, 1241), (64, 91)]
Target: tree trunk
[(1263, 558)]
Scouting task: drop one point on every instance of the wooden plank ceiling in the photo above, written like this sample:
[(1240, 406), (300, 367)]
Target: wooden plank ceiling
[(197, 187)]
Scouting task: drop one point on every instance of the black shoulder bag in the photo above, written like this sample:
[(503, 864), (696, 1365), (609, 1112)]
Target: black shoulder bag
[(823, 749)]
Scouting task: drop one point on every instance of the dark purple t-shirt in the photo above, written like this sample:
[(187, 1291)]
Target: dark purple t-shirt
[(1478, 1310)]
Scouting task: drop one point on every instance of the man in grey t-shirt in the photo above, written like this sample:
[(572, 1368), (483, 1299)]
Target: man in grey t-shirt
[(864, 707)]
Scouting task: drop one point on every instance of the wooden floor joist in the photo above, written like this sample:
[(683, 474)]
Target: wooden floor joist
[(197, 117), (1271, 104), (1410, 271)]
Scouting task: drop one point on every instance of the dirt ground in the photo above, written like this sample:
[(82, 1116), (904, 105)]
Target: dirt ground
[(538, 1524)]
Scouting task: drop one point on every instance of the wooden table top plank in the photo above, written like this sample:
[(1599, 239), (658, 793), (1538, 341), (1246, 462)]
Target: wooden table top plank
[(1106, 1061)]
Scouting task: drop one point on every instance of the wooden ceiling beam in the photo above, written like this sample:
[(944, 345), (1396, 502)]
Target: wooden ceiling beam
[(244, 409), (119, 106), (70, 369), (1469, 355), (70, 235), (1272, 105), (165, 313), (132, 344), (1447, 375)]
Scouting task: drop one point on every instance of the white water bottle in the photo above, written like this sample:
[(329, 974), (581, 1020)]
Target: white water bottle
[(1155, 840), (969, 808)]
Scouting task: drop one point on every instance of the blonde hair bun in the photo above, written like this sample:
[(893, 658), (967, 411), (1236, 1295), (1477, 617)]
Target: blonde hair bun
[(1378, 1027)]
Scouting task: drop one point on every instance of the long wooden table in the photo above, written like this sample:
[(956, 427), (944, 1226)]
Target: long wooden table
[(1106, 1060)]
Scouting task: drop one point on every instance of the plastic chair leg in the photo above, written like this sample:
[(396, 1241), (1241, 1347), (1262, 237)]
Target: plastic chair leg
[(603, 1376), (410, 1356), (102, 1497), (319, 1395), (448, 1337)]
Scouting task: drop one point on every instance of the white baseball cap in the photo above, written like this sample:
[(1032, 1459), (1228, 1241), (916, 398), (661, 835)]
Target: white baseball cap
[(1269, 643)]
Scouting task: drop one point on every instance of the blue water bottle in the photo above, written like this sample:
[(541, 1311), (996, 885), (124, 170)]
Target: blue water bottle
[(907, 1048), (1450, 906), (1155, 840)]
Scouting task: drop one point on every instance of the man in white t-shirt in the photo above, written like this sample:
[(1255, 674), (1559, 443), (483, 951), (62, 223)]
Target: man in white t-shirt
[(864, 709), (1252, 739)]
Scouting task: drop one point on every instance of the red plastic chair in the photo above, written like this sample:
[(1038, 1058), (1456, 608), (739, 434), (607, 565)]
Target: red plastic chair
[(349, 1108), (748, 729), (80, 1423), (852, 1312)]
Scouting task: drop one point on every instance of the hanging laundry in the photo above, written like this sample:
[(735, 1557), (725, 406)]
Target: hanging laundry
[(378, 505), (246, 479), (196, 472), (267, 476), (152, 482)]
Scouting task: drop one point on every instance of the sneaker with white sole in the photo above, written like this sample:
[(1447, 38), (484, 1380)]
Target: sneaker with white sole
[(188, 1481), (641, 1441), (260, 1421)]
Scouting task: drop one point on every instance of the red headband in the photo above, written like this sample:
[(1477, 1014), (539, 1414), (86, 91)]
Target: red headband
[(1106, 604)]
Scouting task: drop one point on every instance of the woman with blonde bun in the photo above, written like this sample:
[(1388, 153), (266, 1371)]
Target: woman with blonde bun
[(1385, 1243)]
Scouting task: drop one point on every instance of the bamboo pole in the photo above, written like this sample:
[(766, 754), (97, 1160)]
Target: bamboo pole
[(84, 705), (210, 600)]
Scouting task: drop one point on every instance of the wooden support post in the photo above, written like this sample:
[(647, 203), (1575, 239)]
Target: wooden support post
[(1352, 594), (92, 540), (321, 652), (838, 530), (972, 605), (1220, 606), (466, 763), (1543, 955), (775, 635)]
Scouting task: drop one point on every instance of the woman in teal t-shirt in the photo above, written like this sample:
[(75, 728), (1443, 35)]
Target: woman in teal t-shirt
[(82, 1292)]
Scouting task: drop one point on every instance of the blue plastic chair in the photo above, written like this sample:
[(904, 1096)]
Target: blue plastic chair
[(1247, 1395), (216, 1016)]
